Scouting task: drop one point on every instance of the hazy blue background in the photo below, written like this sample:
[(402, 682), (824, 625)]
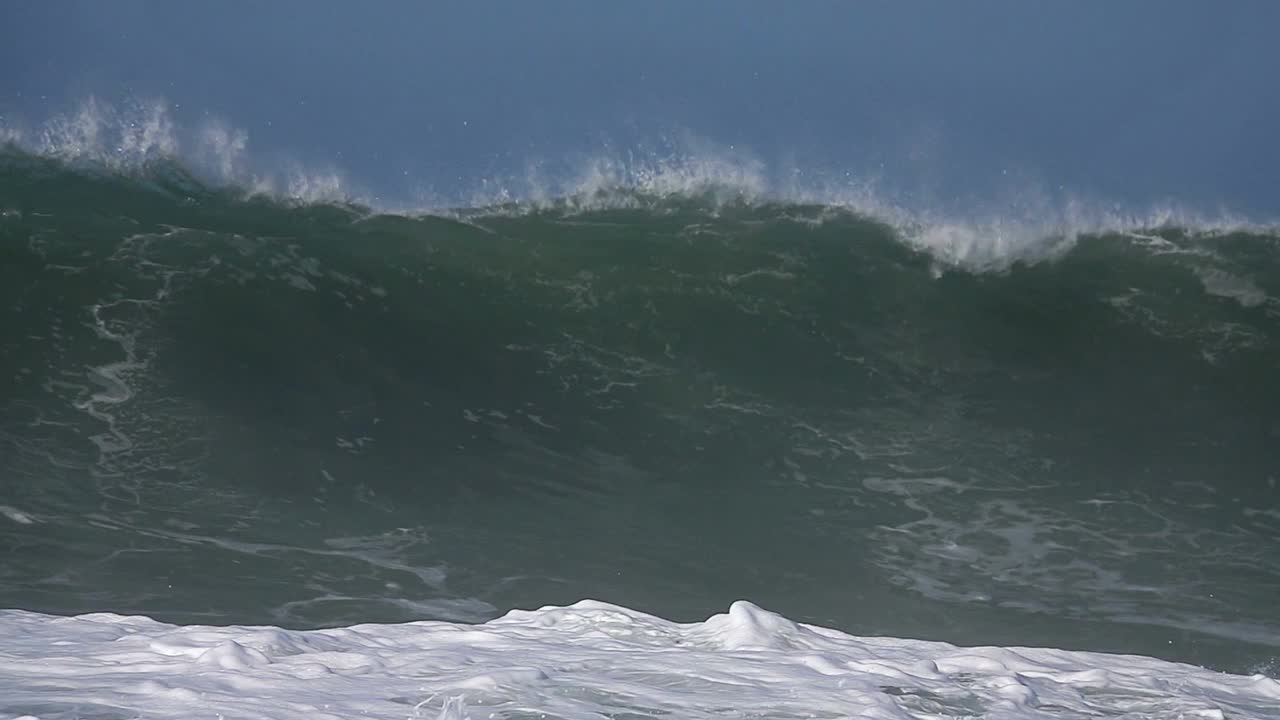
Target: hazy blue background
[(1131, 102)]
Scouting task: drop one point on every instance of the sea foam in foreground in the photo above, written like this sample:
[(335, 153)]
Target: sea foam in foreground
[(589, 660)]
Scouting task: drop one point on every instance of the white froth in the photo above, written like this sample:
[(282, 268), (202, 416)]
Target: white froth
[(589, 660), (1223, 284), (16, 515)]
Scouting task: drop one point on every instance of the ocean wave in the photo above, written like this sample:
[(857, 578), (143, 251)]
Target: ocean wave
[(384, 413)]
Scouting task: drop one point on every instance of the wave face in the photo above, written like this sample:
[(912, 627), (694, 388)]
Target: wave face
[(231, 409)]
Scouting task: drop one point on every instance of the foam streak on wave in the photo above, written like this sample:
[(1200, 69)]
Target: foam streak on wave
[(588, 660)]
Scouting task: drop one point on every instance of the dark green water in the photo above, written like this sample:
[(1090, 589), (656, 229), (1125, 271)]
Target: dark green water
[(219, 409)]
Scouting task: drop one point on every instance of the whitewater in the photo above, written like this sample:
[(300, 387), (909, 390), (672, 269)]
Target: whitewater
[(588, 660), (273, 448)]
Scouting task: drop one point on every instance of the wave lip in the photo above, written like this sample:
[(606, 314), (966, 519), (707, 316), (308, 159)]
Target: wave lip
[(586, 660)]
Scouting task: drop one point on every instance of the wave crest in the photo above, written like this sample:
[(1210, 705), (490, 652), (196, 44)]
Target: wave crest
[(682, 174)]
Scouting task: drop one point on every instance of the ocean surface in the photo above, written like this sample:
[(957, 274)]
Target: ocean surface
[(753, 454)]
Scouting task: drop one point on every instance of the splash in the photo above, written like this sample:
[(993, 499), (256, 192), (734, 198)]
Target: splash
[(139, 136)]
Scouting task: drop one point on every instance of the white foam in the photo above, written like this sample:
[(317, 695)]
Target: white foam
[(588, 660), (974, 542), (1221, 283), (1040, 229), (16, 515)]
